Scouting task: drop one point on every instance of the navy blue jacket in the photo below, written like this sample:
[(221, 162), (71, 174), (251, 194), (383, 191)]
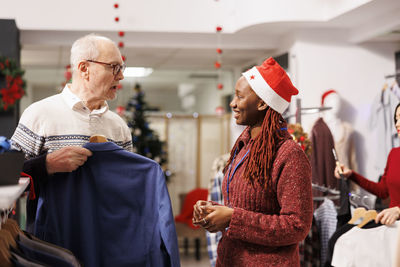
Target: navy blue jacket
[(114, 211)]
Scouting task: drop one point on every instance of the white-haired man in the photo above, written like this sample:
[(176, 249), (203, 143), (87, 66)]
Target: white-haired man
[(52, 131)]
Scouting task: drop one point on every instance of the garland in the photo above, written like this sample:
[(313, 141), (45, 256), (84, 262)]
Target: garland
[(14, 84)]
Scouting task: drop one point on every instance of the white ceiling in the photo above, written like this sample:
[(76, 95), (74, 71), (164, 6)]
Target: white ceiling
[(176, 54)]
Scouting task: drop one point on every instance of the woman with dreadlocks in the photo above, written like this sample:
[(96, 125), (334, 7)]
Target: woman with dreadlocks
[(267, 184)]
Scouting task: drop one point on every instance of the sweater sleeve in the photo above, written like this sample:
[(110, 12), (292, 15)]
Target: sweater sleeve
[(379, 189), (292, 223)]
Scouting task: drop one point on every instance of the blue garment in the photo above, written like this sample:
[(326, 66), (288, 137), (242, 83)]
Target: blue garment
[(114, 211)]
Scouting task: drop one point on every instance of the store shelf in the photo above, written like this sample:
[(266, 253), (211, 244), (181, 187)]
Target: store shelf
[(10, 193)]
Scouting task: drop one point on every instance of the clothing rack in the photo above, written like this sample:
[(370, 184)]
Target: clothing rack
[(392, 75), (325, 189), (305, 111)]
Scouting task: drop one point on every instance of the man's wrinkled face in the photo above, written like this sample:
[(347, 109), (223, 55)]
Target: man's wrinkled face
[(103, 84)]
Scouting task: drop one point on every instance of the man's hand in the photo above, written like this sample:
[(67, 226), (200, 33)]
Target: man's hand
[(66, 159), (388, 216)]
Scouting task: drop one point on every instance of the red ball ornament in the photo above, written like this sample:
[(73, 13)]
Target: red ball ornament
[(123, 58), (121, 44), (220, 86), (219, 110), (116, 19), (121, 34), (119, 86), (120, 110), (219, 50), (219, 28), (217, 64), (116, 5)]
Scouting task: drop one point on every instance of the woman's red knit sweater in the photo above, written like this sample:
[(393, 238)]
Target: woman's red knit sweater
[(265, 229), (389, 185)]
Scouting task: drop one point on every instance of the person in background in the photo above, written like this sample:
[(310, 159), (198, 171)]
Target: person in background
[(388, 186), (52, 131), (267, 207)]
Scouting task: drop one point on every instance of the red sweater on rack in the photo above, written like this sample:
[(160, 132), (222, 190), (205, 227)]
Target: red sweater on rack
[(265, 229), (389, 185)]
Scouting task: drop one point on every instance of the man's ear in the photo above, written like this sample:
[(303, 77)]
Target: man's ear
[(262, 105), (83, 69)]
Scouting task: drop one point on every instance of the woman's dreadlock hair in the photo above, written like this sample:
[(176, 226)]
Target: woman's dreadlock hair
[(263, 152)]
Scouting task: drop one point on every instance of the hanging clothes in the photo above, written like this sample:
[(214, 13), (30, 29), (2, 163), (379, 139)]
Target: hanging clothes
[(381, 125), (372, 247), (322, 160), (114, 210), (345, 147), (215, 195), (332, 241), (325, 217), (310, 248)]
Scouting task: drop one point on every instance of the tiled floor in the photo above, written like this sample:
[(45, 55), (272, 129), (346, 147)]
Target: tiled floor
[(190, 259)]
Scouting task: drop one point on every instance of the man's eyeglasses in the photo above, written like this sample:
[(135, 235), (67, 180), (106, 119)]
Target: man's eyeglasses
[(116, 67)]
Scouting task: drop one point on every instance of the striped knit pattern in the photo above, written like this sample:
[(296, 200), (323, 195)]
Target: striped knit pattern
[(265, 229), (51, 124)]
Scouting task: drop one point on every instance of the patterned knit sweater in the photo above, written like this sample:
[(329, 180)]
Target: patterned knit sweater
[(265, 229)]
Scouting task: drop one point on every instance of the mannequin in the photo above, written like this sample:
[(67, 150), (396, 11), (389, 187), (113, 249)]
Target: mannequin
[(332, 99), (342, 132)]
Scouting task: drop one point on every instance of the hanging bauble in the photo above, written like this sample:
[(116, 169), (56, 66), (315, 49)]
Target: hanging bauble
[(119, 86), (68, 73), (220, 86), (219, 111), (137, 132), (116, 5), (219, 50), (116, 19), (123, 58), (121, 34), (218, 28), (120, 110), (217, 64), (121, 44)]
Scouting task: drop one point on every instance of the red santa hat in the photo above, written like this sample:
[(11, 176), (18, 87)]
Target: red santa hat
[(271, 83), (324, 95)]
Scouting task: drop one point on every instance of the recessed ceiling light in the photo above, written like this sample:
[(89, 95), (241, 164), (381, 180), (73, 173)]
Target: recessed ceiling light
[(137, 72)]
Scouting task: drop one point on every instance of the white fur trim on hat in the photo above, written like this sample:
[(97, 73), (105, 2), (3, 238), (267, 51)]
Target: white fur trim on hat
[(264, 91)]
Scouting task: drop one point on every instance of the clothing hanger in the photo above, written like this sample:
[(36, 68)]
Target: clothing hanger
[(385, 86), (12, 228), (368, 216), (98, 138), (8, 238), (5, 254), (357, 214)]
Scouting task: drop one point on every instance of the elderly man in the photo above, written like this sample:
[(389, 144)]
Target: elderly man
[(51, 132), (107, 205)]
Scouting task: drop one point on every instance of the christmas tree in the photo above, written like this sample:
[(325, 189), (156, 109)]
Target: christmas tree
[(145, 141)]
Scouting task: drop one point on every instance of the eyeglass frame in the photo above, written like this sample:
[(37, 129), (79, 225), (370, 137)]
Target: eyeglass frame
[(113, 66)]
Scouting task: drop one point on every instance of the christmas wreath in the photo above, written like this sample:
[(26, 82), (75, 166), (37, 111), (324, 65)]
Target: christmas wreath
[(14, 84)]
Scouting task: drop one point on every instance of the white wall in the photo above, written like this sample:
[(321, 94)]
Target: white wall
[(355, 72)]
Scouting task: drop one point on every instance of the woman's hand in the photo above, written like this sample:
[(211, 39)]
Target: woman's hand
[(346, 172), (199, 212), (218, 218), (388, 216)]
